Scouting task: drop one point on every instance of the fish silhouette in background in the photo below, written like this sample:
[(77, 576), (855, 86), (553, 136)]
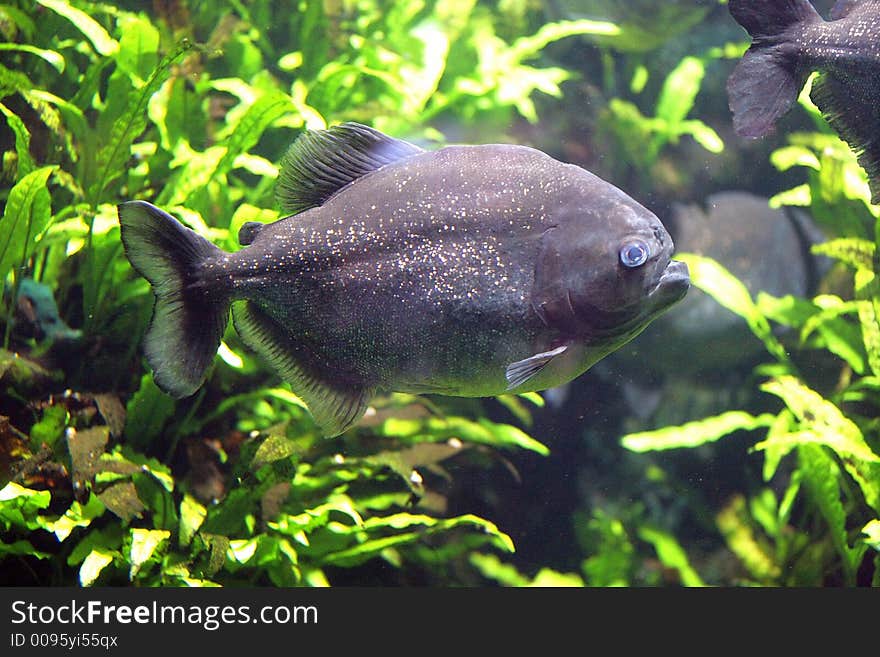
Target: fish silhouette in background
[(791, 40), (468, 271)]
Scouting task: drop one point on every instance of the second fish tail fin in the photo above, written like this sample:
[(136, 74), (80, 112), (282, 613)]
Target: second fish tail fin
[(766, 82), (189, 317)]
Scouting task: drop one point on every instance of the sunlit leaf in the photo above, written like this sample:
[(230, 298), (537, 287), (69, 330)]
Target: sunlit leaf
[(374, 547), (821, 478), (78, 515), (868, 292), (112, 156), (823, 422), (671, 555), (529, 46), (22, 141), (728, 291), (703, 135), (797, 196), (791, 156), (742, 540), (104, 44), (144, 543), (92, 566), (547, 577), (192, 515), (693, 434), (680, 90), (855, 252), (872, 534), (138, 47), (493, 568), (25, 217)]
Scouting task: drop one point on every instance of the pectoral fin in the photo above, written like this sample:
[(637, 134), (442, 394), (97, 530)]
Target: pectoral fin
[(522, 370), (334, 407)]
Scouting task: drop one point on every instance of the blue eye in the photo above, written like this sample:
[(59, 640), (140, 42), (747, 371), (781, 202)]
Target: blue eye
[(634, 254)]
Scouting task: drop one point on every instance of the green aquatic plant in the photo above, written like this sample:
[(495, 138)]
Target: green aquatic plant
[(821, 447), (643, 137), (826, 426)]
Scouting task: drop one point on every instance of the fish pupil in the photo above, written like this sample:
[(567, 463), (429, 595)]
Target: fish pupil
[(634, 254)]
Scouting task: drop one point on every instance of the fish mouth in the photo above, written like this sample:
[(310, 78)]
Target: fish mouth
[(671, 287)]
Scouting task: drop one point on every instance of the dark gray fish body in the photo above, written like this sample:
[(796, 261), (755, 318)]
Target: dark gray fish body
[(471, 271), (790, 40)]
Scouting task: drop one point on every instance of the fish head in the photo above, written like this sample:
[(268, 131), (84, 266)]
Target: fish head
[(605, 269)]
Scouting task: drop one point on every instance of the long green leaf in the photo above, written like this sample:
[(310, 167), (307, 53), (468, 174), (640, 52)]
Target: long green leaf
[(671, 555), (373, 547), (259, 116), (853, 251), (113, 155), (693, 434), (26, 215), (821, 478), (679, 90), (104, 44), (531, 46), (56, 59), (483, 431), (820, 422), (22, 142), (13, 81), (716, 281), (868, 293), (821, 419)]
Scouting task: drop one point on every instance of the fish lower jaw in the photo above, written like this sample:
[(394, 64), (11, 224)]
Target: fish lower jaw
[(671, 287)]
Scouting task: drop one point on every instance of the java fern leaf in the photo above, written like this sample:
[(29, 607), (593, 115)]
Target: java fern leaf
[(821, 477), (819, 422), (716, 281), (22, 141), (115, 152), (693, 434), (26, 215), (103, 43)]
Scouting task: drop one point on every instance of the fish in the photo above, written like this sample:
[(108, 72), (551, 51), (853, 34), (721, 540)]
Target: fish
[(37, 313), (469, 270), (790, 41)]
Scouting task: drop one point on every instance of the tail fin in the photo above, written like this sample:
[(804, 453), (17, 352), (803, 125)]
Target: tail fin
[(766, 82), (189, 318)]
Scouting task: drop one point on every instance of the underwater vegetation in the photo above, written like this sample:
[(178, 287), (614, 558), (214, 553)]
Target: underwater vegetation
[(664, 464)]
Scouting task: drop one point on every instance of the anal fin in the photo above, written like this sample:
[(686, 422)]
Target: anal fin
[(334, 407), (522, 370)]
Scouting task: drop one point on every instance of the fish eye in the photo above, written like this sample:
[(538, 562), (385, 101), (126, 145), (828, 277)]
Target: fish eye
[(634, 254)]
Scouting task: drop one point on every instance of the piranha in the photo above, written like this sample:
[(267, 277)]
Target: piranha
[(791, 40), (469, 270)]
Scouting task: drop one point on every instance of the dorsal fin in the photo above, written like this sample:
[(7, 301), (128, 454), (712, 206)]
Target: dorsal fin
[(321, 162)]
